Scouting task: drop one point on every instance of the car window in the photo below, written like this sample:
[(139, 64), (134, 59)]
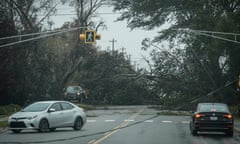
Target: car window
[(66, 106), (56, 106), (210, 107), (36, 107), (74, 89)]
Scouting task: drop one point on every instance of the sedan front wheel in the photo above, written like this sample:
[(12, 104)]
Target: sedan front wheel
[(43, 126), (16, 130)]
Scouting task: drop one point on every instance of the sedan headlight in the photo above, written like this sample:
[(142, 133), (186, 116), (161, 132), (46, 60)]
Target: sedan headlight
[(33, 117), (78, 93)]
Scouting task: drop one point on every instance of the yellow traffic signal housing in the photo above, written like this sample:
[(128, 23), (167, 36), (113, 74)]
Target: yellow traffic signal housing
[(82, 37), (98, 37), (89, 37), (239, 81)]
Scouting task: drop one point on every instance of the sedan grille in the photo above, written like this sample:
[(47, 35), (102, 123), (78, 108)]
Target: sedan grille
[(17, 125)]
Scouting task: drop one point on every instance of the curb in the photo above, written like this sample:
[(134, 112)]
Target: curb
[(2, 129), (237, 129)]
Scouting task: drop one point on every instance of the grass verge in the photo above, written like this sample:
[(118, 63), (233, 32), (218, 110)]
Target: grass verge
[(3, 123), (86, 107)]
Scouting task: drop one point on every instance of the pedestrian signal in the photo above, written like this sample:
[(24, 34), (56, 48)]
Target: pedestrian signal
[(89, 37)]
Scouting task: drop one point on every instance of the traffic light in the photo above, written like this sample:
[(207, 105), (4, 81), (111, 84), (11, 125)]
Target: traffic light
[(89, 37)]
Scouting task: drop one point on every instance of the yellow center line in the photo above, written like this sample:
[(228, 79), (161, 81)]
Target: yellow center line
[(92, 141), (116, 129)]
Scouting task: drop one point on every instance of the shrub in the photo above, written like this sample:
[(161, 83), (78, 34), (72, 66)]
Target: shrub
[(9, 109)]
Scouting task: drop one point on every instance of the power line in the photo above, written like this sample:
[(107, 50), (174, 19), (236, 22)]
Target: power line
[(74, 14)]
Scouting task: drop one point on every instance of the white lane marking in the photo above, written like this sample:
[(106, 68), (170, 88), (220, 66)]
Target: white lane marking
[(110, 120), (149, 121), (185, 122), (129, 120), (132, 120), (91, 120), (166, 121), (91, 142)]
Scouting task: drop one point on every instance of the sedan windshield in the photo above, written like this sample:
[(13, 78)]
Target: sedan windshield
[(36, 107)]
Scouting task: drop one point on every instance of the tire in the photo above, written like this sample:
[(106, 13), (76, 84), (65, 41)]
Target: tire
[(229, 133), (193, 130), (43, 126), (52, 129), (78, 124), (16, 130)]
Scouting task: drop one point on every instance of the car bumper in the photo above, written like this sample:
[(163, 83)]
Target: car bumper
[(23, 124), (216, 126), (72, 97)]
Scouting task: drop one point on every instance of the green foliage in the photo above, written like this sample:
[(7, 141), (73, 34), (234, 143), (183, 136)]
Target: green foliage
[(86, 107), (9, 109), (189, 69), (3, 124), (106, 79), (197, 69)]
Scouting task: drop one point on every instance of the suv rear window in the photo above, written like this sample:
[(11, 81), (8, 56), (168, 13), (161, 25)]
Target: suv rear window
[(74, 89)]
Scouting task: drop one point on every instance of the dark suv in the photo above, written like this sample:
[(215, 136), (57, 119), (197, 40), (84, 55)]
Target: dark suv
[(74, 93)]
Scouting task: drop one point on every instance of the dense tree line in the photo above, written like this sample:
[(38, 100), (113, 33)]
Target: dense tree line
[(195, 65), (40, 69)]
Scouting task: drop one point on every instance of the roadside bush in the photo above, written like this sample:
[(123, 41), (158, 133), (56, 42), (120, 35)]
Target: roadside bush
[(86, 107), (9, 109), (234, 110)]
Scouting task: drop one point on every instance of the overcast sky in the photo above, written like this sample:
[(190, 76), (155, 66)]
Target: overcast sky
[(130, 40)]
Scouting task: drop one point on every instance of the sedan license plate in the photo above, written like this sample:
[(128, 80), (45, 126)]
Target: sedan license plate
[(214, 118)]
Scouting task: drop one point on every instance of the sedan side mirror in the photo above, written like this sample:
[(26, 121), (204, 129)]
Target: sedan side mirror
[(51, 110)]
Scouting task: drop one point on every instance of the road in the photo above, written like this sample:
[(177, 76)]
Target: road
[(123, 125)]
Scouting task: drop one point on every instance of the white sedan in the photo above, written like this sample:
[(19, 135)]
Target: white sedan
[(48, 115)]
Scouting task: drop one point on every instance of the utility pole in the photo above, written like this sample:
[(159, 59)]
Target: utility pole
[(123, 49), (113, 41), (129, 57)]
